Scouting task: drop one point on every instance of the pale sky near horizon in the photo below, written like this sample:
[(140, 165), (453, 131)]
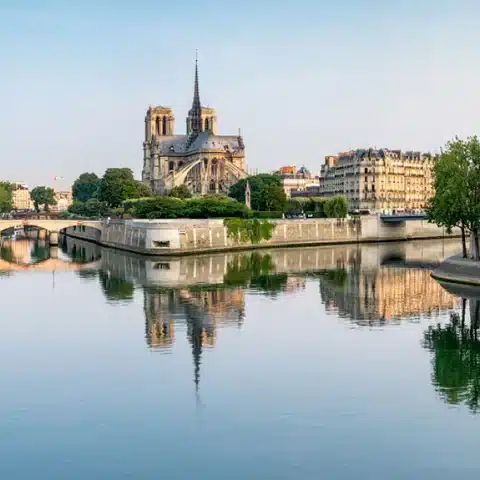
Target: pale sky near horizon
[(302, 79)]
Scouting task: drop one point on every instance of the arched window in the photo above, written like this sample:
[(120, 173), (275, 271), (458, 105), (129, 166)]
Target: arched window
[(164, 125), (207, 126), (157, 126)]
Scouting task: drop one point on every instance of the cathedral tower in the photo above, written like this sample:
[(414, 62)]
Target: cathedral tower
[(159, 122)]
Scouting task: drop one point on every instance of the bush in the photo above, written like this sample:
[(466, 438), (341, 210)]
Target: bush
[(257, 214), (171, 207)]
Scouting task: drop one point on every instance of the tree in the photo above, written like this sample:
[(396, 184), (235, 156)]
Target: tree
[(143, 190), (260, 198), (43, 196), (336, 207), (456, 202), (6, 197), (180, 191), (116, 186), (85, 187), (294, 207), (273, 198)]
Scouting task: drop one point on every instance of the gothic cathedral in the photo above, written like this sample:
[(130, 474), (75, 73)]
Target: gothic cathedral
[(202, 160)]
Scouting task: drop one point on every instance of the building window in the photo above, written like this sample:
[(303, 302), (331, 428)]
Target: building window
[(165, 244)]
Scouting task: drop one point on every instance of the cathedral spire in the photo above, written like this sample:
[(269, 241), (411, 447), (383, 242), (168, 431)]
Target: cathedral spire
[(196, 111)]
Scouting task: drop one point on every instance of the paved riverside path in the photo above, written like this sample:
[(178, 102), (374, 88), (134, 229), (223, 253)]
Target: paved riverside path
[(457, 269)]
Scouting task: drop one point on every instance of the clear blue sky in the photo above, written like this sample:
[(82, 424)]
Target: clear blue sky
[(302, 78)]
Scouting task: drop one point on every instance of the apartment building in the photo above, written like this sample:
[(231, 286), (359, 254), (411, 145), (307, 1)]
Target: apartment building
[(21, 196), (379, 180)]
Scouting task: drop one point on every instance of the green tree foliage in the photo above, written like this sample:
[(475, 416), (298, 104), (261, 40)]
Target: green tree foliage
[(116, 186), (181, 191), (456, 202), (314, 206), (85, 187), (170, 207), (455, 350), (92, 208), (6, 201), (43, 196), (336, 207), (142, 190), (266, 192), (250, 230), (294, 207), (256, 271)]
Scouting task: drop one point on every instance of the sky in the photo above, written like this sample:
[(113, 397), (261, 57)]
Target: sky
[(302, 79)]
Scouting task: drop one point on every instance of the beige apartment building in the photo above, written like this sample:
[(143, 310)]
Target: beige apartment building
[(64, 200), (379, 180), (21, 196)]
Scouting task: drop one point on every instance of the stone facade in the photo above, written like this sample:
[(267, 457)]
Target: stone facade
[(185, 236), (201, 159), (64, 200), (21, 197), (379, 180)]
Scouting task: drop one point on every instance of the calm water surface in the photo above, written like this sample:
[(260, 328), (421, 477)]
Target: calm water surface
[(312, 363)]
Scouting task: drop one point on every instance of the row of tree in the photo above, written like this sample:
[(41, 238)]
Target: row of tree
[(41, 197), (212, 206), (456, 202), (116, 186), (335, 207)]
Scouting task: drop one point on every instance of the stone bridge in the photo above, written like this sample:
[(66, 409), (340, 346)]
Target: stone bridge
[(52, 226)]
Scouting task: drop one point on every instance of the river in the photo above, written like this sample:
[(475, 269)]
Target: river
[(307, 363)]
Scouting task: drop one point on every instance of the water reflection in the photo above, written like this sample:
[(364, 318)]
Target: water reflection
[(370, 285), (455, 349), (20, 253), (384, 296)]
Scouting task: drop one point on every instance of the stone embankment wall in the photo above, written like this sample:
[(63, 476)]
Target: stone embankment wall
[(184, 236)]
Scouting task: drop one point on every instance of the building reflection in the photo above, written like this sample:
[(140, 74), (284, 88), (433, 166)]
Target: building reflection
[(386, 295), (209, 309), (202, 312)]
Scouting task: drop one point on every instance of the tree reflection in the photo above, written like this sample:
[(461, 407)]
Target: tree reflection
[(39, 252), (115, 288), (456, 357), (256, 271)]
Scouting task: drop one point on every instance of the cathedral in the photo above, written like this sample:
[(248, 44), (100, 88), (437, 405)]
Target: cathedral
[(202, 160)]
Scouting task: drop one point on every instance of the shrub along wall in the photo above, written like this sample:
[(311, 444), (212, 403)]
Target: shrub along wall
[(169, 207)]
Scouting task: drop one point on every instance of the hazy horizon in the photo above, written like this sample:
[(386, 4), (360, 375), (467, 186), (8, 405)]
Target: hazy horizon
[(301, 79)]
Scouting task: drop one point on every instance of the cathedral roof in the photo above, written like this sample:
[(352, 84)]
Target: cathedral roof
[(178, 144)]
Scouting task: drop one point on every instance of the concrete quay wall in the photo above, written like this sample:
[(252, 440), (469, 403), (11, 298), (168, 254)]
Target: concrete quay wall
[(185, 236)]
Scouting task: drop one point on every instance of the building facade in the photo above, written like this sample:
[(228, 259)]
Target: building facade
[(298, 181), (201, 159), (379, 180), (21, 196), (64, 200)]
